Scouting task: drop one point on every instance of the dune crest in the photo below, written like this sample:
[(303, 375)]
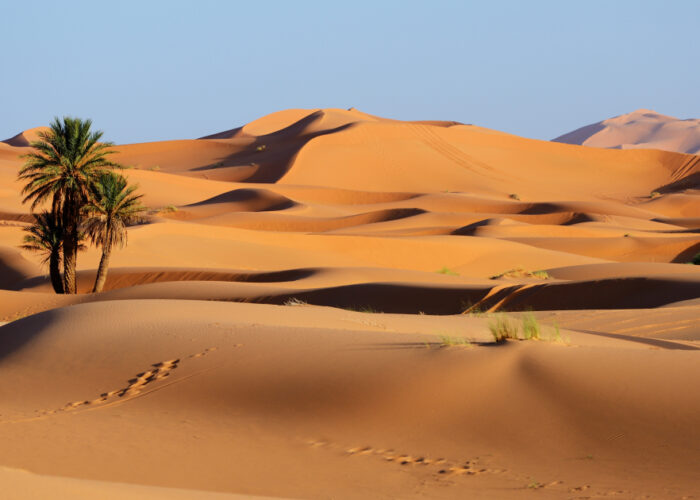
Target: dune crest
[(640, 129), (23, 139)]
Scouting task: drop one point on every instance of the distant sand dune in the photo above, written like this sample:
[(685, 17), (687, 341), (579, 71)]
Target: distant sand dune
[(640, 129)]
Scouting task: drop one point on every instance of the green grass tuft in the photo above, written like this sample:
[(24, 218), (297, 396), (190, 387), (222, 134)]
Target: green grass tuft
[(503, 328), (531, 328), (447, 341), (447, 270)]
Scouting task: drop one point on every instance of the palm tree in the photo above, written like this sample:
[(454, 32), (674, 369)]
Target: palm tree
[(65, 163), (113, 206), (46, 236)]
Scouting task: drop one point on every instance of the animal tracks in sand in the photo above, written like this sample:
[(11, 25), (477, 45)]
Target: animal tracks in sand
[(440, 466), (134, 387), (444, 467)]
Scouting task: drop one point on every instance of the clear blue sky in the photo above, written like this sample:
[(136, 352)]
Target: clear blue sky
[(152, 70)]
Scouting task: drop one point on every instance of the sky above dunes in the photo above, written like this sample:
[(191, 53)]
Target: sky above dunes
[(156, 70)]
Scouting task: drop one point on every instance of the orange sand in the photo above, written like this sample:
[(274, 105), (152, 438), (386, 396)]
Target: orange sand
[(283, 324)]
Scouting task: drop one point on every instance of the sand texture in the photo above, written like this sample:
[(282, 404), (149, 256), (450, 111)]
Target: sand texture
[(305, 313)]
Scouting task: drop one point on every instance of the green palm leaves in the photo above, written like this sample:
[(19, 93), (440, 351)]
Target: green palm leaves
[(46, 236), (64, 170), (112, 207)]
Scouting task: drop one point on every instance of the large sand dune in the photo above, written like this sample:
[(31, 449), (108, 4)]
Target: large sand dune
[(642, 128), (289, 320)]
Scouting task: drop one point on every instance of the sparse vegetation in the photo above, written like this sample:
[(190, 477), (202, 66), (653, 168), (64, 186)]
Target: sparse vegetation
[(503, 328), (472, 310), (531, 328), (155, 167), (447, 270), (295, 302), (557, 334), (519, 272), (514, 196), (362, 309), (448, 341), (654, 194), (261, 148), (168, 208)]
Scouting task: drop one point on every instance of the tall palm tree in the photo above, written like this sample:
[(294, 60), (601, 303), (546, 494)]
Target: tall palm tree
[(113, 206), (65, 163), (46, 236)]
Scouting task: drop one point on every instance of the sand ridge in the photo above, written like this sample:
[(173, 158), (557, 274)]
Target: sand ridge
[(305, 312)]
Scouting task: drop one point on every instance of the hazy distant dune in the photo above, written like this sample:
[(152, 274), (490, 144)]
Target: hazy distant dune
[(640, 129)]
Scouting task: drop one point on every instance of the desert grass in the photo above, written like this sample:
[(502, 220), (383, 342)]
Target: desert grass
[(519, 272), (295, 302), (503, 328), (447, 270), (362, 309), (449, 341), (530, 326)]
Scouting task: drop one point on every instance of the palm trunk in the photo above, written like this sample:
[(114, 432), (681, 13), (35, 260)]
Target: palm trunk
[(55, 271), (102, 270), (70, 246), (69, 258)]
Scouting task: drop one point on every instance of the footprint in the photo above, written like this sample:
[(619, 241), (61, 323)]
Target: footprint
[(134, 386), (445, 467)]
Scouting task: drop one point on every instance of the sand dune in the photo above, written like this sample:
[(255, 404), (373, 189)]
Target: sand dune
[(290, 319), (340, 412), (642, 128)]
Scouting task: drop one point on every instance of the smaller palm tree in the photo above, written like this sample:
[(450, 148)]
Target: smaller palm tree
[(112, 207), (46, 236)]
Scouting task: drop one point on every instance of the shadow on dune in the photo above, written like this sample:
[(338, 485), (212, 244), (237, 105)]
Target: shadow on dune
[(691, 181), (687, 255), (128, 277), (16, 334), (274, 153), (580, 135), (275, 202)]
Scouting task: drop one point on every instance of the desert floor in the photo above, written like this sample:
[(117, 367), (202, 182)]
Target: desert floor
[(306, 312)]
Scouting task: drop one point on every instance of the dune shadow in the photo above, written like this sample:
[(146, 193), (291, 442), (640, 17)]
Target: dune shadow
[(432, 345), (243, 196), (687, 255), (18, 333), (274, 153), (664, 344)]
